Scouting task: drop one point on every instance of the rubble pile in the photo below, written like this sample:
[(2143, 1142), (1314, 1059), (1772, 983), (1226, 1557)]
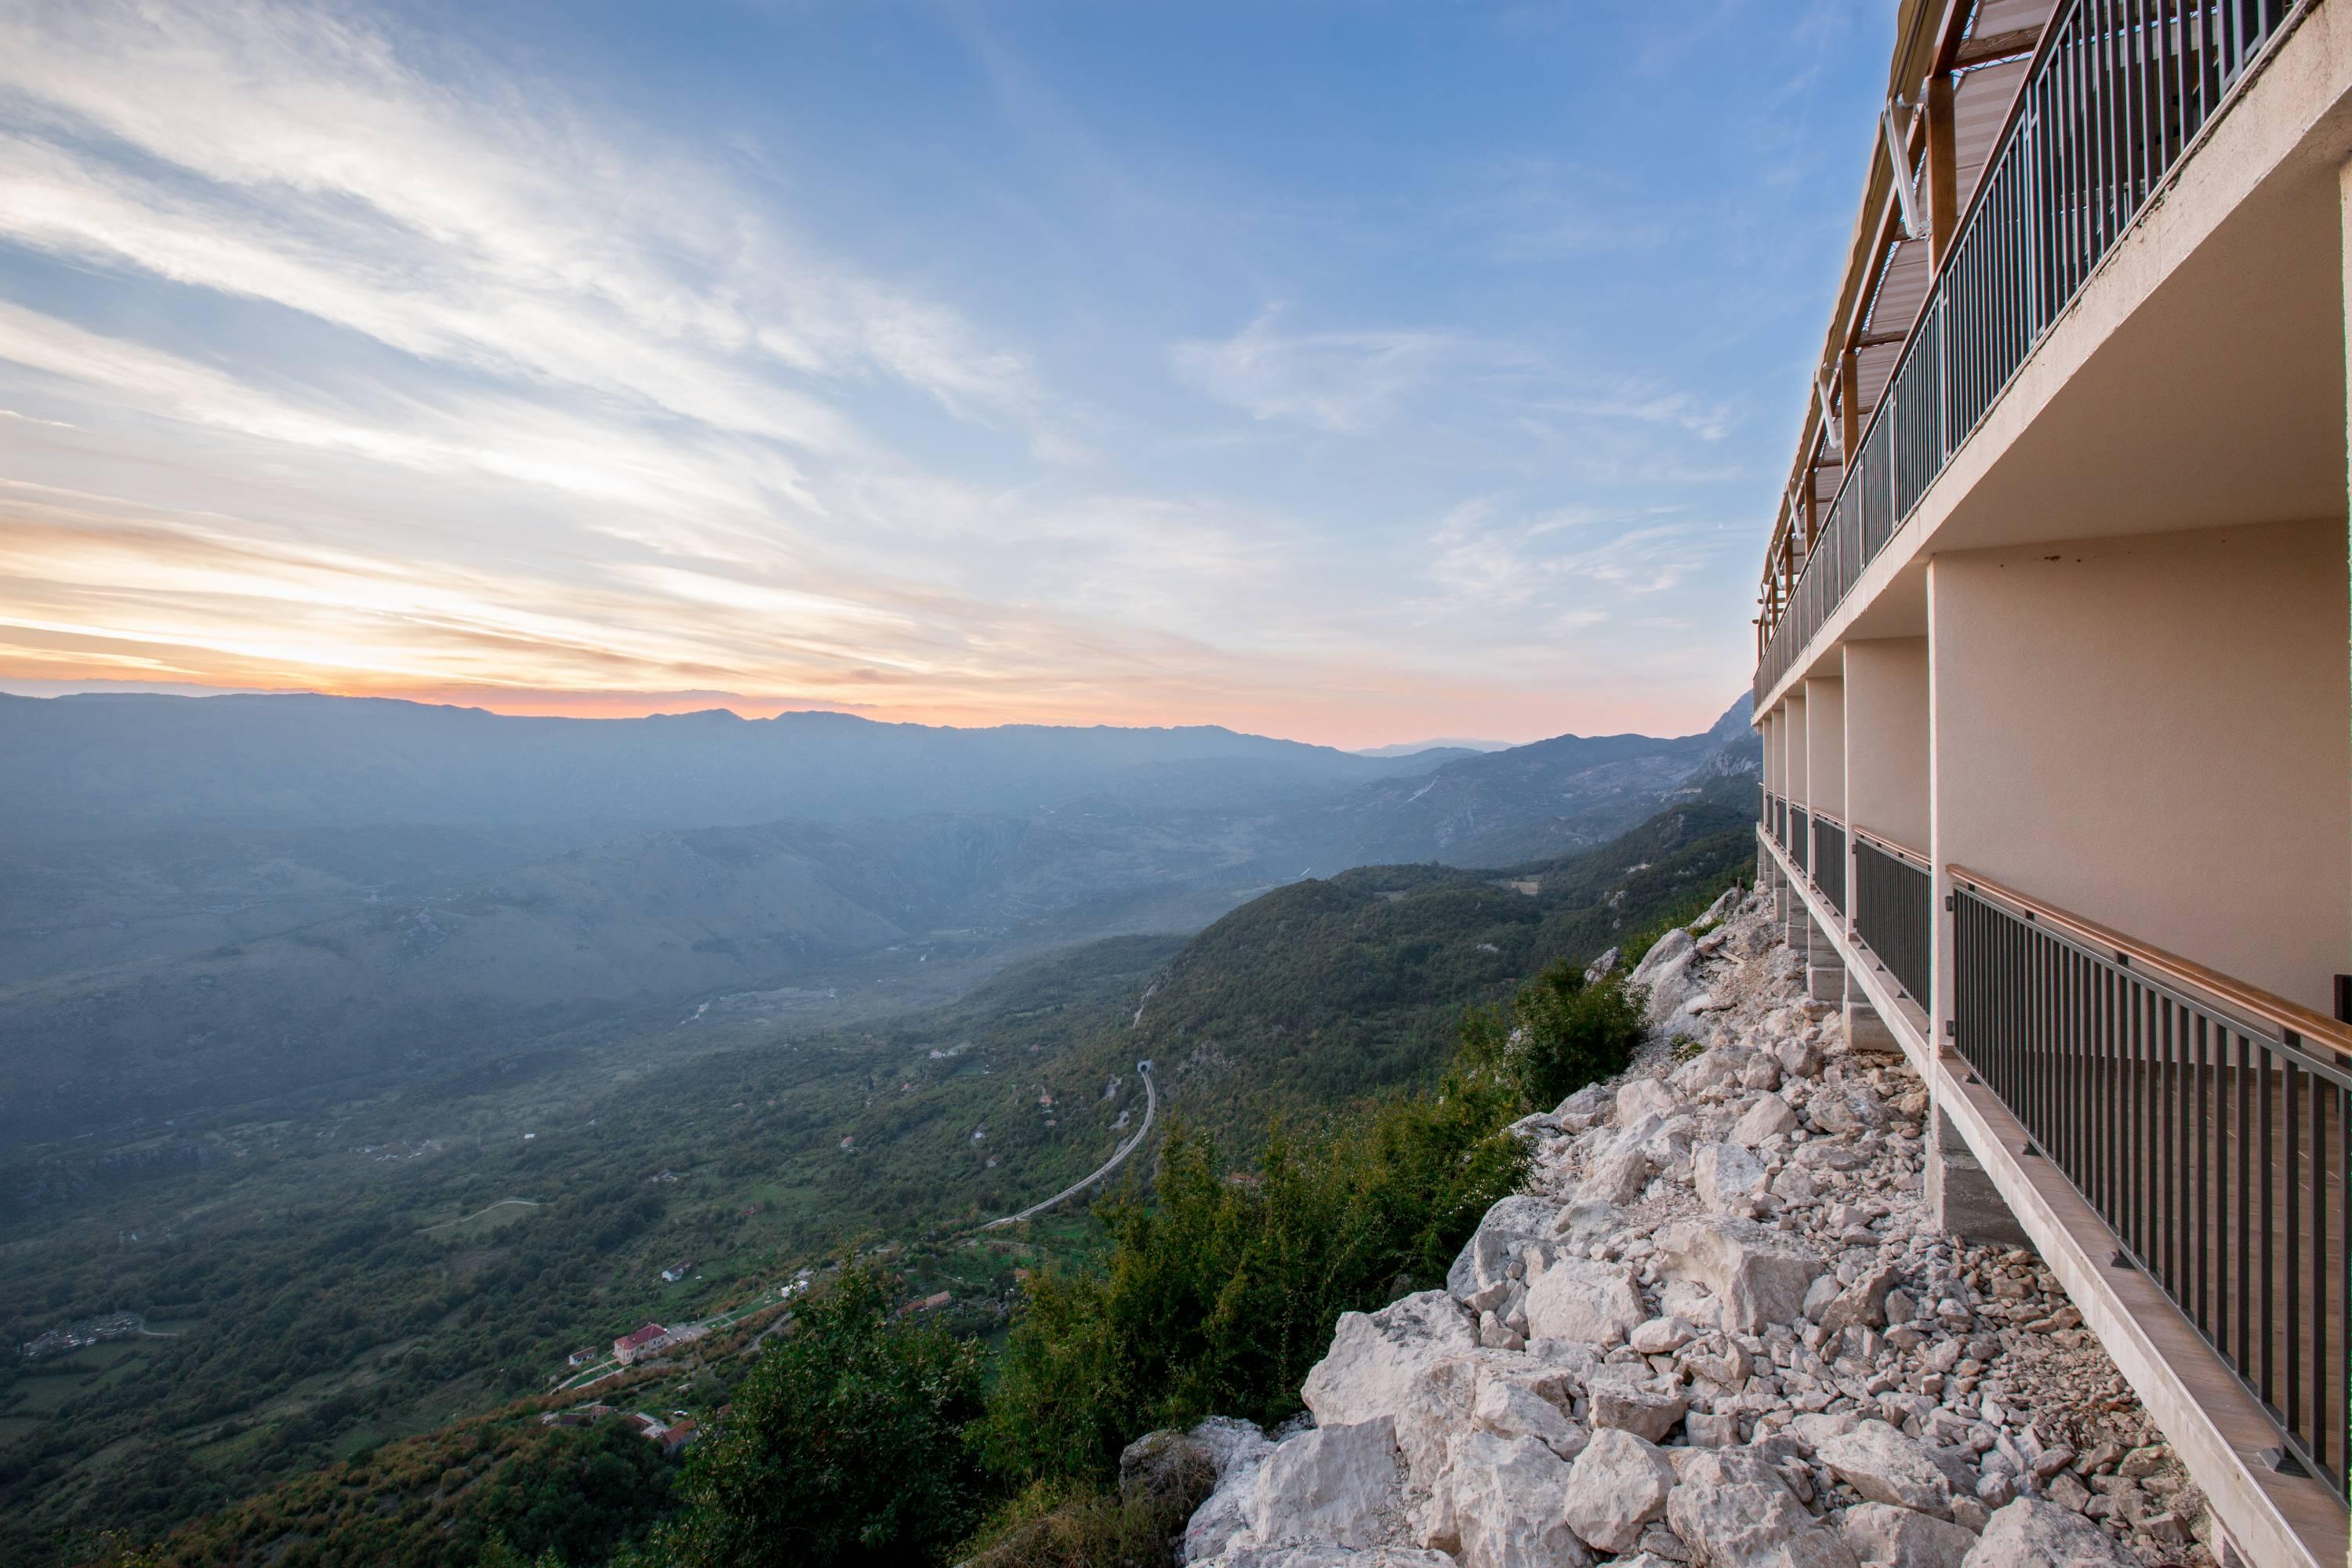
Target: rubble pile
[(1718, 1329)]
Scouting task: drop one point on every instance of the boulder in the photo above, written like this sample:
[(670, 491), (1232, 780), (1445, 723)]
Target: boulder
[(1585, 1107), (1517, 1406), (1615, 1488), (1847, 1107), (1798, 1059), (1410, 1362), (1768, 1118), (1507, 1227), (1576, 1299), (1729, 1178), (1759, 1274), (1587, 1220), (1625, 1398), (1604, 964), (1238, 1450), (1760, 1071), (1884, 1536), (1670, 950), (1246, 1554), (1641, 1097), (1662, 1336), (1504, 1500), (1339, 1484), (2031, 1533), (1715, 1069), (1862, 1304), (1736, 1512), (1885, 1467), (1616, 1178)]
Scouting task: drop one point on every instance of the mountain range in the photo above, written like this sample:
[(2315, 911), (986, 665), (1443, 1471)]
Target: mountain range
[(209, 902)]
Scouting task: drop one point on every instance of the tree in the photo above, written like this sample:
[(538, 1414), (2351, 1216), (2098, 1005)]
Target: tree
[(845, 1446)]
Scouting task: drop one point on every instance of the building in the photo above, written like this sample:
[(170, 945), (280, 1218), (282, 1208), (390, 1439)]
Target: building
[(2052, 680), (640, 1341)]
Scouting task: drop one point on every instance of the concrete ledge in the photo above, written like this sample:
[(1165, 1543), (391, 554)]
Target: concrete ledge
[(2218, 1428)]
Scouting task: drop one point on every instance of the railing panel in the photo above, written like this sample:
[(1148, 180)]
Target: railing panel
[(2115, 97), (1800, 837), (1829, 861), (2212, 1143), (1894, 901)]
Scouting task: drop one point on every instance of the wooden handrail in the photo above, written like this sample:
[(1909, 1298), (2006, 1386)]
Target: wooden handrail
[(2315, 1028), (1901, 851)]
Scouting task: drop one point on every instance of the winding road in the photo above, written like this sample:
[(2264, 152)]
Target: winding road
[(1118, 1156)]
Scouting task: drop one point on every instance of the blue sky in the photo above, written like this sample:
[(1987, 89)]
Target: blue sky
[(1351, 371)]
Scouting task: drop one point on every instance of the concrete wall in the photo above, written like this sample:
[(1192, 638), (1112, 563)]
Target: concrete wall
[(1825, 745), (1793, 727), (2157, 732), (1885, 692)]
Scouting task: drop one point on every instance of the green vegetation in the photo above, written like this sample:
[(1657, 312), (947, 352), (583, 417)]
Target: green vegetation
[(845, 1445), (1321, 1155), (1562, 1035)]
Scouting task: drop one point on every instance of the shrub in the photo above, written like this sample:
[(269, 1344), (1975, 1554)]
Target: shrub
[(1562, 1035), (1219, 1295), (845, 1446)]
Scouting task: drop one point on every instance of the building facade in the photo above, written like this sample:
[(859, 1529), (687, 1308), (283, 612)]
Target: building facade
[(2051, 676)]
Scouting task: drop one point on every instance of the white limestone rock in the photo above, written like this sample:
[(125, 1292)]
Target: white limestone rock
[(1506, 1501), (1799, 1058), (1626, 1396), (1338, 1484), (1483, 1263), (1588, 1105), (1885, 1467), (1662, 1336), (1770, 1117), (2031, 1533), (1575, 1299), (1735, 1511), (1616, 1178), (1759, 1274), (1237, 1448), (1617, 1486), (1641, 1097), (1730, 1179), (1884, 1536), (1411, 1361), (1534, 1402)]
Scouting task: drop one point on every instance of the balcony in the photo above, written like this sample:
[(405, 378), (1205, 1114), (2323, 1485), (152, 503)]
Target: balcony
[(2177, 1143), (2112, 101)]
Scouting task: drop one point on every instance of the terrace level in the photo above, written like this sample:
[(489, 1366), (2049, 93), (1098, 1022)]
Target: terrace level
[(2052, 680)]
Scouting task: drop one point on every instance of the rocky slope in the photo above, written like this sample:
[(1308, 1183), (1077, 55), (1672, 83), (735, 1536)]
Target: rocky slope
[(1719, 1330)]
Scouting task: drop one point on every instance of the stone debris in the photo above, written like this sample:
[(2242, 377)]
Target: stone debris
[(1717, 1330)]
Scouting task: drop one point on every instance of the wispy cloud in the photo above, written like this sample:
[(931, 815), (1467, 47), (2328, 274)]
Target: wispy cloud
[(338, 352)]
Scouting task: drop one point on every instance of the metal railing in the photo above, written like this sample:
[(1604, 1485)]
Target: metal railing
[(2117, 91), (1893, 912), (2206, 1123), (1800, 839), (1829, 860)]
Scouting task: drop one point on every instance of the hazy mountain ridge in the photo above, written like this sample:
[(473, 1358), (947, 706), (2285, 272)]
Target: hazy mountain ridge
[(221, 964)]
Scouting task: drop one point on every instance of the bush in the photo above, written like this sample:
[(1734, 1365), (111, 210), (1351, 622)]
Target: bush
[(845, 1445), (1562, 1034), (1061, 1524), (1219, 1296)]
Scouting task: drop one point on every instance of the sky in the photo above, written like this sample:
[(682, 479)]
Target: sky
[(1337, 370)]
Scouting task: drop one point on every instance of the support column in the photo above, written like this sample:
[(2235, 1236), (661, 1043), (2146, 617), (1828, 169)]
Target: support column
[(1824, 968), (1961, 1198)]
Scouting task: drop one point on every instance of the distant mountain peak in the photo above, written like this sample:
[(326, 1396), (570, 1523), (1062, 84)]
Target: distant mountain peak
[(1444, 743)]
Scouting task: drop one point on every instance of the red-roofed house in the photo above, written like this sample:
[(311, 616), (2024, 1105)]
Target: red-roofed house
[(629, 1346)]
